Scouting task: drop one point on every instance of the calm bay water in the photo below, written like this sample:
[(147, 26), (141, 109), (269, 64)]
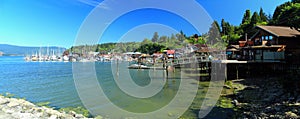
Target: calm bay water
[(39, 81), (53, 82)]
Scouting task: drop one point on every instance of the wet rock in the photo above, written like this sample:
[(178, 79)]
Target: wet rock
[(277, 109), (227, 87), (297, 104), (298, 100), (291, 115), (249, 88), (268, 109), (235, 103), (253, 116)]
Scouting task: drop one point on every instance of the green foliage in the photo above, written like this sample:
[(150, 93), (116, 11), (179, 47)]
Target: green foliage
[(146, 41), (247, 17), (229, 33), (234, 37), (255, 19), (78, 110), (43, 104), (263, 16), (217, 25), (106, 47), (8, 95), (225, 102), (287, 14), (150, 48), (173, 42), (155, 37)]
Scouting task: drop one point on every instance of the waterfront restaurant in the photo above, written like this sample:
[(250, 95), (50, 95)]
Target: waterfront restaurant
[(272, 44)]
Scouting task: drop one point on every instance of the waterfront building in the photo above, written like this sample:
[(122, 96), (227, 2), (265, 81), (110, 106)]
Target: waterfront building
[(269, 44)]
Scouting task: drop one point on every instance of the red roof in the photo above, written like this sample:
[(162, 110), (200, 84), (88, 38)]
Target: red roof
[(170, 51)]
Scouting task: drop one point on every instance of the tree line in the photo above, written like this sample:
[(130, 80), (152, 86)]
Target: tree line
[(287, 14)]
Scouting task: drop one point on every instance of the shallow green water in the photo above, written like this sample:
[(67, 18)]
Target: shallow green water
[(53, 82)]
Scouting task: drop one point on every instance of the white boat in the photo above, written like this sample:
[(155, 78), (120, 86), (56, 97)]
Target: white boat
[(138, 66), (65, 58), (34, 58), (53, 58)]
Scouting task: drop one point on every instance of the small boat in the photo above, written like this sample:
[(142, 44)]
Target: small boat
[(137, 66), (34, 58), (65, 58)]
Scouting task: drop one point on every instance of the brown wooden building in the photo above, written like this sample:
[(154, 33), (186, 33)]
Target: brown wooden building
[(272, 44)]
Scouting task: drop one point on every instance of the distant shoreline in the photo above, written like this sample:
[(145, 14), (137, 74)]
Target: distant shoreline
[(11, 55)]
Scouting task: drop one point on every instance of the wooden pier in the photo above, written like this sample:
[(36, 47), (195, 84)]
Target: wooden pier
[(236, 69)]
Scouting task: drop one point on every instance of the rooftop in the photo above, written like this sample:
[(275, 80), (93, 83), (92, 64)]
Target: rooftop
[(280, 31)]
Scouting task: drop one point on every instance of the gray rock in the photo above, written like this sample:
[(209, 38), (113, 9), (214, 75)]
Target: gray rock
[(227, 87), (277, 109), (8, 111), (53, 117), (235, 103), (26, 116), (16, 115), (268, 109), (72, 113), (12, 104), (3, 101), (291, 115), (79, 116), (11, 108)]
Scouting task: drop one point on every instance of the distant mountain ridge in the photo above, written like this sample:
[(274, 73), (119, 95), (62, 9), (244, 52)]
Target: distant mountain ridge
[(24, 50)]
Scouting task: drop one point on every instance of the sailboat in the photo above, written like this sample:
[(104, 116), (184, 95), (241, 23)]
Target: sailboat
[(53, 57), (34, 57)]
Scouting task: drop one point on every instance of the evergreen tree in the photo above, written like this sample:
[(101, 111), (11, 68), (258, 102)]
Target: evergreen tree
[(155, 37), (226, 28), (217, 25), (223, 25), (247, 17), (255, 18), (263, 16), (163, 39)]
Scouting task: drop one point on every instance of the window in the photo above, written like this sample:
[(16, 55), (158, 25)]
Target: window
[(270, 37)]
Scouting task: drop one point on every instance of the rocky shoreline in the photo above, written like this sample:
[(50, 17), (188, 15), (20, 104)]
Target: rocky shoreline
[(266, 97), (13, 108)]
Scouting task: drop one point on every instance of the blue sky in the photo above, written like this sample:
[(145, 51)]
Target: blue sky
[(56, 22)]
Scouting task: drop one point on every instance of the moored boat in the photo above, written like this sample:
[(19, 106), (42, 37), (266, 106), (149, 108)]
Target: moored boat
[(137, 66)]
